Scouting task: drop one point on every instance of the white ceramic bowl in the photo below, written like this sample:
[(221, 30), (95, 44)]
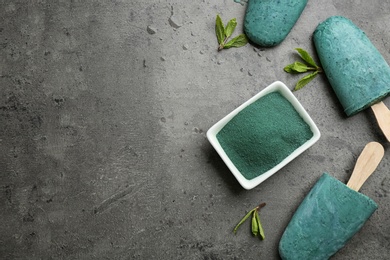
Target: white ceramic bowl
[(286, 93)]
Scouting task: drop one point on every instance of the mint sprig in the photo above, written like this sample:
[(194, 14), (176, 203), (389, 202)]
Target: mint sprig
[(257, 229), (224, 32), (307, 65)]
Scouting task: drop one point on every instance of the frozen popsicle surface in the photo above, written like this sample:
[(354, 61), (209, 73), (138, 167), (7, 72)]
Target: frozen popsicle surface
[(357, 72), (268, 22), (326, 219)]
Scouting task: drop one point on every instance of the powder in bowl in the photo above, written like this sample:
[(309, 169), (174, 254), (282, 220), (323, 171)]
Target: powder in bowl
[(263, 134)]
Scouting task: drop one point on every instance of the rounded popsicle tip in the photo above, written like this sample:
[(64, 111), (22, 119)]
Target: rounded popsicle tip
[(327, 218), (267, 23), (357, 72), (335, 20)]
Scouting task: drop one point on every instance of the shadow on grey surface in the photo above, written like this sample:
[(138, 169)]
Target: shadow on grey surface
[(222, 170), (381, 138)]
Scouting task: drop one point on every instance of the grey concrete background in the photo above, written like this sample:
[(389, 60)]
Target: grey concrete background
[(103, 131)]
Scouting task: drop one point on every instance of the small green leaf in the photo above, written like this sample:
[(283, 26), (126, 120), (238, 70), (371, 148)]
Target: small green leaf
[(238, 41), (243, 220), (306, 57), (305, 80), (219, 29), (296, 67), (229, 29), (288, 68), (261, 231), (255, 227), (299, 67)]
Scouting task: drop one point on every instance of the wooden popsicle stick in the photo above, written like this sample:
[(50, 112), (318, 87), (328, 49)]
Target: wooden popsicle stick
[(382, 114), (366, 164)]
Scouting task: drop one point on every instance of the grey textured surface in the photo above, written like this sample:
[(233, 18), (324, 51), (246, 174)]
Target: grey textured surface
[(104, 106)]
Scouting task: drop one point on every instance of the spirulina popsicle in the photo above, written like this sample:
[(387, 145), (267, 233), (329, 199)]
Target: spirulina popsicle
[(268, 22), (331, 213), (357, 72)]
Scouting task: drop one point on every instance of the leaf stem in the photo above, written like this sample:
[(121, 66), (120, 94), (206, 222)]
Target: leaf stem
[(318, 69), (261, 205), (222, 45), (298, 67)]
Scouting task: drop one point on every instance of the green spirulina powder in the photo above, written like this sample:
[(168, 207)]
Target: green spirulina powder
[(263, 134)]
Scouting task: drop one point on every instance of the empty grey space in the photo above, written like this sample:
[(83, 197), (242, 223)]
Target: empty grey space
[(104, 109)]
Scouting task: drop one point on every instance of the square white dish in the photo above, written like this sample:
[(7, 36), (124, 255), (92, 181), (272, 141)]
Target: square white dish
[(287, 94)]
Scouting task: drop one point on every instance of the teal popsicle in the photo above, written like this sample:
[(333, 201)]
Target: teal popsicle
[(268, 22), (331, 213), (357, 72)]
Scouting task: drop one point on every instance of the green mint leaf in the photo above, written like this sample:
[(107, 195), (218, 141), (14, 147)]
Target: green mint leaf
[(255, 227), (261, 231), (238, 41), (288, 68), (306, 57), (243, 220), (299, 67), (229, 29), (219, 30), (305, 80), (296, 67)]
